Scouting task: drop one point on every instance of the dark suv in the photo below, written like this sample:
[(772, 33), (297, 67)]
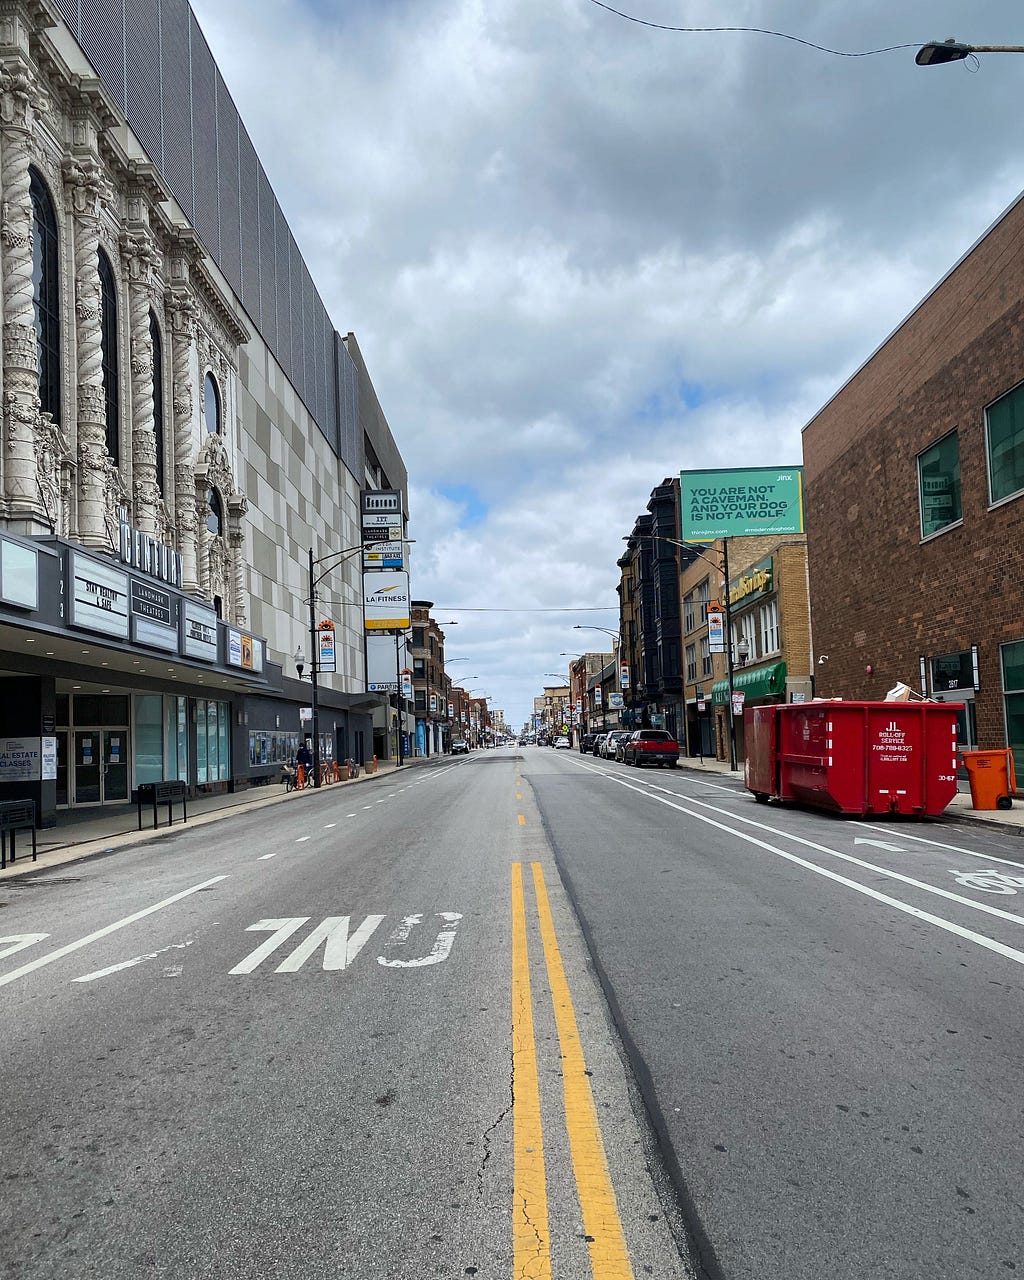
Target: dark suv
[(587, 743), (650, 746)]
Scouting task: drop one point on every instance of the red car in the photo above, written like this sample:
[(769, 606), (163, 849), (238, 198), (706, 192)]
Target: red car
[(650, 746)]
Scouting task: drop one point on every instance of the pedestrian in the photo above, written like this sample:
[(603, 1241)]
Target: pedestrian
[(304, 758)]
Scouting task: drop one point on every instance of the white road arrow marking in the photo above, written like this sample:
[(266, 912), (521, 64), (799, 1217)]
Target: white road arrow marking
[(879, 844), (19, 941)]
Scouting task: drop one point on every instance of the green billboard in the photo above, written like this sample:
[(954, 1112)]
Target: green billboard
[(741, 502)]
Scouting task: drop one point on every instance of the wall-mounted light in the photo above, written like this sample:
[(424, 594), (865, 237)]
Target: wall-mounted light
[(822, 659)]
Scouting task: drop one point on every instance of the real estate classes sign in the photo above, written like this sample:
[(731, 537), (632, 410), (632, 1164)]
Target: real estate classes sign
[(739, 503)]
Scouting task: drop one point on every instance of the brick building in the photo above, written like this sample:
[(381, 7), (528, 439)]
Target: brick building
[(770, 632), (431, 686), (914, 475)]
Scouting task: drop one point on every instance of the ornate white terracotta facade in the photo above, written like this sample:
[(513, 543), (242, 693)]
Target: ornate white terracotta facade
[(57, 472)]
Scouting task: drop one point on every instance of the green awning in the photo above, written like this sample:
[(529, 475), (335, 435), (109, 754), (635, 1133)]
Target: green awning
[(756, 683)]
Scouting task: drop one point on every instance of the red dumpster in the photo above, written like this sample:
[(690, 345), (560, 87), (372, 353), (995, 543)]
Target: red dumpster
[(854, 757)]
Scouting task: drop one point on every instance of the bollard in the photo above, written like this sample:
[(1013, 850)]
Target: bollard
[(300, 778), (373, 766)]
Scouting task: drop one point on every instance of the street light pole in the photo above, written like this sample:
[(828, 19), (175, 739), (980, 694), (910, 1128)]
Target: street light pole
[(314, 661)]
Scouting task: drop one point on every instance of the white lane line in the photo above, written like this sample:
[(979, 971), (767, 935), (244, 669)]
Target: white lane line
[(302, 839), (367, 806), (128, 964), (1013, 917), (990, 944), (105, 931), (350, 815), (329, 825), (264, 856), (938, 844)]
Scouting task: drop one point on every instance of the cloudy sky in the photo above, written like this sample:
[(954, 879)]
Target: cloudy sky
[(581, 254)]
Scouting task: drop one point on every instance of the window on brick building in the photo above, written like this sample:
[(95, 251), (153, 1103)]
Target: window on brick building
[(690, 611), (691, 663), (1004, 430), (417, 637), (938, 485), (419, 668), (420, 700), (705, 656), (768, 619)]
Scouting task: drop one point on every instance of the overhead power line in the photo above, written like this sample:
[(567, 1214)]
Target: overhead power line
[(583, 608), (761, 31)]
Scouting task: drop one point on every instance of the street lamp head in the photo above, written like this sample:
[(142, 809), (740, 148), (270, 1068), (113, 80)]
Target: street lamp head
[(299, 658), (931, 54)]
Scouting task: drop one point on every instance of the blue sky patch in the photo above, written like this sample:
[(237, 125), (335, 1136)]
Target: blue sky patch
[(474, 508)]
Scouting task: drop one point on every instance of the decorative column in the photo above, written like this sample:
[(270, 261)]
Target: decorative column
[(238, 505), (18, 103), (139, 255), (182, 311), (84, 182)]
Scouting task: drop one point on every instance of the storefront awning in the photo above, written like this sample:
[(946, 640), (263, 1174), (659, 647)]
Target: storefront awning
[(757, 683)]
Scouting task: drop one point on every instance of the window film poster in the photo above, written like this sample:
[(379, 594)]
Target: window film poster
[(740, 503)]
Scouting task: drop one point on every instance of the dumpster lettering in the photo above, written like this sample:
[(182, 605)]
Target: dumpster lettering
[(893, 744), (989, 881)]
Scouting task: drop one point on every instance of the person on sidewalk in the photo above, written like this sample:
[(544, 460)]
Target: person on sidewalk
[(304, 757)]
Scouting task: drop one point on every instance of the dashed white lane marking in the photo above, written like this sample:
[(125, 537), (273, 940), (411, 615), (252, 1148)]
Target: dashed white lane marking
[(301, 839), (329, 825), (264, 856), (105, 931), (350, 815), (367, 806)]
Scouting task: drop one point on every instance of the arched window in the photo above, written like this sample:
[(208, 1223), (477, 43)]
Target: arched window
[(108, 339), (211, 405), (46, 294), (158, 399), (214, 512)]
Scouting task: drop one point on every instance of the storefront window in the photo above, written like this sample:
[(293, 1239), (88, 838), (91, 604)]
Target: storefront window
[(177, 738), (1013, 692), (149, 738), (223, 742)]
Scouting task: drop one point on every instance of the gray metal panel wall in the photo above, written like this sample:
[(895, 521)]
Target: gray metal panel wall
[(350, 440), (227, 154), (204, 140), (102, 39), (308, 339), (298, 365), (68, 10), (175, 97), (142, 74), (284, 292), (268, 261), (251, 231)]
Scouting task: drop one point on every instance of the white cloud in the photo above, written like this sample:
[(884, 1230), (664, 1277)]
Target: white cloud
[(580, 254)]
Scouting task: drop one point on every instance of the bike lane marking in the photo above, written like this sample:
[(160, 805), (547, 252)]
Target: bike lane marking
[(67, 950), (982, 940), (531, 1234), (1011, 916)]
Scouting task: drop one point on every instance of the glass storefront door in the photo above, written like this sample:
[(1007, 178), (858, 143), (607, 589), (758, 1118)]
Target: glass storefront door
[(88, 770), (101, 766)]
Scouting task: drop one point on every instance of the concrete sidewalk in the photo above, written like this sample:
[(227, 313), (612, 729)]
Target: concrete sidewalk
[(1006, 821), (80, 833)]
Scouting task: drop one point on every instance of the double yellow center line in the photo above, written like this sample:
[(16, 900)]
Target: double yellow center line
[(609, 1257)]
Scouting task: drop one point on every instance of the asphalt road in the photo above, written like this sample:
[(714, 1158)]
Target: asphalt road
[(825, 1016), (357, 1034), (518, 1016)]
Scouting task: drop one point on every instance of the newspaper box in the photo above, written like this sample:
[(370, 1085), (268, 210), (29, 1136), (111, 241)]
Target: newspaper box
[(854, 757)]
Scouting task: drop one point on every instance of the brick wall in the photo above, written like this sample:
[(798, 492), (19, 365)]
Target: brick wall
[(880, 595)]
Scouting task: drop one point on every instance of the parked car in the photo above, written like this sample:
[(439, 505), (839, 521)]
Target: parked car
[(587, 743), (612, 741), (598, 741), (460, 747), (563, 743), (650, 746)]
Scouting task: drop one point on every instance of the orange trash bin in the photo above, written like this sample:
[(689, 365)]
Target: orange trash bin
[(992, 778)]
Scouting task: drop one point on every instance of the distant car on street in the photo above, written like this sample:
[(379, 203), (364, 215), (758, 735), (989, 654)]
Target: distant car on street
[(460, 747), (612, 741), (598, 743), (587, 743), (563, 743)]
